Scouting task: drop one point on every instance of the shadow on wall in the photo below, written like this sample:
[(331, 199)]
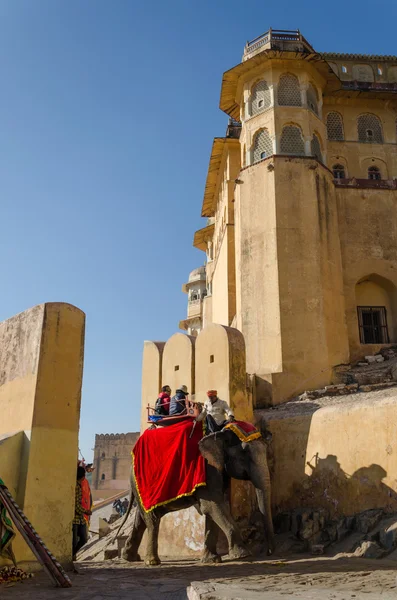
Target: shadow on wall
[(340, 457), (330, 487)]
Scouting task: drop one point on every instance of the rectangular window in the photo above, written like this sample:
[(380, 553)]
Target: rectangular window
[(372, 324)]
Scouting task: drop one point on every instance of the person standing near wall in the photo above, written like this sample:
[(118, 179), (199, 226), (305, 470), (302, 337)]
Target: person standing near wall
[(80, 530), (86, 496)]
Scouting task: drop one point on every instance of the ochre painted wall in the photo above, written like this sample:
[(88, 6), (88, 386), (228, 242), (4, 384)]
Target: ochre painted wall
[(178, 362), (151, 377), (352, 448), (45, 345), (368, 236)]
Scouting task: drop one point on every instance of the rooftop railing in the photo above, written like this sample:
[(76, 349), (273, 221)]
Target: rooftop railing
[(275, 36)]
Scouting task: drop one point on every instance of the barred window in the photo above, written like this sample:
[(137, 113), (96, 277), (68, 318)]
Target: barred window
[(260, 98), (312, 99), (369, 129), (335, 126), (396, 130), (316, 148), (374, 173), (262, 147), (292, 141), (288, 91), (339, 171)]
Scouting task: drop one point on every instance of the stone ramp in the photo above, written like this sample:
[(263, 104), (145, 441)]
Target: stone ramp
[(309, 578)]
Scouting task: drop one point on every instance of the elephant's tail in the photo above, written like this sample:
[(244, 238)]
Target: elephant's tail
[(130, 505)]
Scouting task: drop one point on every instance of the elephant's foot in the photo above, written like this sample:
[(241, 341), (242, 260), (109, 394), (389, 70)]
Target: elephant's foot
[(209, 557), (130, 556), (152, 561), (239, 552)]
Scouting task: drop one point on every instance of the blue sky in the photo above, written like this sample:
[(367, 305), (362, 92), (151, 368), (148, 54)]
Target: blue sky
[(107, 114)]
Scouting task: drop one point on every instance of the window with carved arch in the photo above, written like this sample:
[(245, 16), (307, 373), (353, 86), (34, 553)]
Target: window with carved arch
[(316, 148), (339, 171), (369, 129), (374, 173), (335, 127), (289, 93), (260, 98), (262, 146), (291, 141), (312, 101)]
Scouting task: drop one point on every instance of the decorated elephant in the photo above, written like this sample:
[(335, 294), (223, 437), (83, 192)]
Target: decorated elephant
[(225, 454)]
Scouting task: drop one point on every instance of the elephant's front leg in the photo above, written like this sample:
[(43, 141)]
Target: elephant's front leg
[(130, 550), (153, 526), (220, 514), (210, 554)]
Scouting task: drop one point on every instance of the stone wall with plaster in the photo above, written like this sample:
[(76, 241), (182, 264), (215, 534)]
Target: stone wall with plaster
[(341, 457), (41, 353)]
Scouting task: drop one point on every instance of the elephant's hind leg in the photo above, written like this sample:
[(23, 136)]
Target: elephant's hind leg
[(130, 550), (210, 554)]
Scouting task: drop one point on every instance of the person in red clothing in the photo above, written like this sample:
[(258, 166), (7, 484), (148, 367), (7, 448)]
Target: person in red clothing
[(163, 401), (86, 496)]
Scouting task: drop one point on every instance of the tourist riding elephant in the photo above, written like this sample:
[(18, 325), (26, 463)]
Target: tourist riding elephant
[(224, 454)]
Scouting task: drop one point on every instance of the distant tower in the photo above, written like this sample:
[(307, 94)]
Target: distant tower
[(196, 289)]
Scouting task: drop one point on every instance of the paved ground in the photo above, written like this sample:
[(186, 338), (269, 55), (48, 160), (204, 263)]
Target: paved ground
[(303, 578)]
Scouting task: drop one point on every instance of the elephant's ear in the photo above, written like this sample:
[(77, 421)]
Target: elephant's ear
[(211, 448)]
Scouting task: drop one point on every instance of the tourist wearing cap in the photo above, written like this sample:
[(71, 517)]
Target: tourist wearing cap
[(178, 402), (217, 411)]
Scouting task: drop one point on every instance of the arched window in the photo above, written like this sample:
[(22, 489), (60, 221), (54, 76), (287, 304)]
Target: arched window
[(312, 99), (375, 308), (262, 147), (339, 171), (316, 148), (374, 173), (289, 93), (335, 126), (103, 476), (103, 455), (369, 129), (260, 98), (194, 295), (292, 141)]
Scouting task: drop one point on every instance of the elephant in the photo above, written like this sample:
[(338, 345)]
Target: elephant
[(226, 457)]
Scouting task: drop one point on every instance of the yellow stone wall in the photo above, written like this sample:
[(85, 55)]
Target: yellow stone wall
[(151, 377), (347, 450), (40, 392), (178, 363)]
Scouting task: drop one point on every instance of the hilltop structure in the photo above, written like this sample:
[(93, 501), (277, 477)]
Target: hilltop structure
[(112, 463)]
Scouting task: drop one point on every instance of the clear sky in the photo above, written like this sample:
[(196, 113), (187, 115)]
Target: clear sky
[(107, 113)]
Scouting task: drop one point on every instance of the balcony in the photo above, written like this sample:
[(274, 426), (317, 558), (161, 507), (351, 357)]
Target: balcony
[(194, 308), (278, 39), (375, 184)]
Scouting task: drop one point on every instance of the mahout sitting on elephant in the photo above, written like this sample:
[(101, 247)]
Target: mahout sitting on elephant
[(226, 456)]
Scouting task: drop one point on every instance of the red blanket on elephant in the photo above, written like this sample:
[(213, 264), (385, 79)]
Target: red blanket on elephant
[(167, 463)]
